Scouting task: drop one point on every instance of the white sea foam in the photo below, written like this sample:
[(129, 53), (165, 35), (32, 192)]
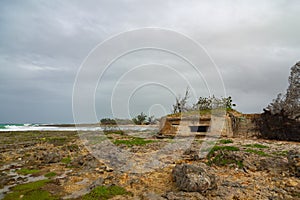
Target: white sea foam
[(35, 127)]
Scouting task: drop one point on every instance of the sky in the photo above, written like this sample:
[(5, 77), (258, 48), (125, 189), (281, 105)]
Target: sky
[(44, 44)]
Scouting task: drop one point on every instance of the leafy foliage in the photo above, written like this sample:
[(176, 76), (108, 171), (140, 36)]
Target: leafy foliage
[(181, 102), (108, 121), (281, 119), (202, 104), (289, 104), (143, 119)]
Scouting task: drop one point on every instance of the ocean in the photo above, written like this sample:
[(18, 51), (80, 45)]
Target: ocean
[(53, 127)]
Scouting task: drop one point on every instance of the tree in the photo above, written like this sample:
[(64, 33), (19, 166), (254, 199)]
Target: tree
[(289, 104), (140, 119), (280, 120), (292, 101), (208, 103), (108, 121), (181, 103)]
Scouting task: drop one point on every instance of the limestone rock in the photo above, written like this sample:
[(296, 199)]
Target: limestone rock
[(193, 178), (294, 162), (184, 195)]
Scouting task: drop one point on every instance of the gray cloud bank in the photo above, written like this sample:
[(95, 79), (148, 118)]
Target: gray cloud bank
[(43, 43)]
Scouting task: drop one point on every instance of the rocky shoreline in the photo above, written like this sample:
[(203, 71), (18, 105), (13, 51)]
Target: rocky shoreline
[(58, 165)]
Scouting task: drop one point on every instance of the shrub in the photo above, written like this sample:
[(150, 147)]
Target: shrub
[(104, 192), (108, 121)]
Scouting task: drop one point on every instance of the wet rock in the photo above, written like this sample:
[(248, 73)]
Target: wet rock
[(294, 162), (193, 178), (5, 179)]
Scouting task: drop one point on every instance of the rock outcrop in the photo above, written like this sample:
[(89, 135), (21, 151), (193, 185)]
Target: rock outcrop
[(193, 178)]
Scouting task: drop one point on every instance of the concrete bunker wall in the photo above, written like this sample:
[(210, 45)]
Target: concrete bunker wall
[(235, 125)]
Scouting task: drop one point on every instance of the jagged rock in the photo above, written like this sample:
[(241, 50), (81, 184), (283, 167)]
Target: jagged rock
[(294, 162), (5, 179), (152, 196), (184, 195), (192, 178), (274, 165), (86, 161), (49, 157)]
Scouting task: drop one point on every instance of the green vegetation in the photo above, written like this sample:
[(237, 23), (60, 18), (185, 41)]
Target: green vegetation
[(30, 191), (280, 153), (50, 174), (119, 132), (66, 160), (228, 141), (224, 160), (219, 148), (226, 148), (259, 146), (133, 141), (108, 121), (296, 194), (25, 171), (57, 141), (143, 119), (261, 153), (72, 148), (203, 103), (104, 192)]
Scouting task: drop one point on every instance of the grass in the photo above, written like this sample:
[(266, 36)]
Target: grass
[(261, 153), (25, 171), (219, 148), (258, 146), (226, 148), (133, 142), (30, 191), (119, 132), (72, 147), (104, 192), (221, 160), (280, 153), (225, 141), (57, 141), (66, 160), (50, 174), (296, 194)]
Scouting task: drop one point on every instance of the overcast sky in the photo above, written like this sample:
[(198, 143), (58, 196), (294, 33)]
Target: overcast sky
[(43, 43)]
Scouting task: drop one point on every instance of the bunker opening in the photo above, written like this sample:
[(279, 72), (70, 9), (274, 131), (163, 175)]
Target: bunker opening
[(199, 128)]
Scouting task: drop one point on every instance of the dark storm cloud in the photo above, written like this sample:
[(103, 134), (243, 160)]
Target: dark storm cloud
[(43, 43)]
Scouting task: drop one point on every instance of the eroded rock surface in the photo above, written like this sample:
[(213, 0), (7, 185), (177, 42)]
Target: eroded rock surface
[(193, 178)]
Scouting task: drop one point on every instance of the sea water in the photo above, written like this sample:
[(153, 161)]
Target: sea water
[(50, 127)]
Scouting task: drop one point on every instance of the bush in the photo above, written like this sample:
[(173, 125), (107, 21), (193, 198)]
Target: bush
[(143, 119), (108, 121)]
